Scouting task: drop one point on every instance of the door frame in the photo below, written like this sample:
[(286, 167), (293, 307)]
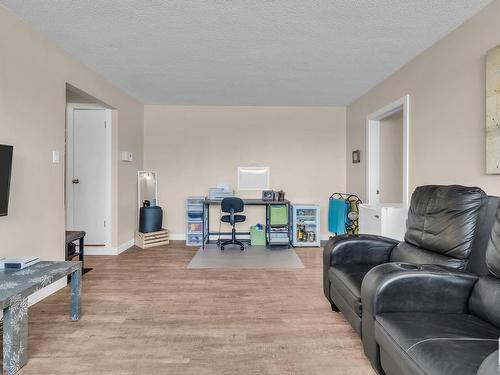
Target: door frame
[(70, 108), (373, 149)]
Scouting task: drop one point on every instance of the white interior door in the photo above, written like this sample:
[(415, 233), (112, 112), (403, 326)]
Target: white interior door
[(88, 180)]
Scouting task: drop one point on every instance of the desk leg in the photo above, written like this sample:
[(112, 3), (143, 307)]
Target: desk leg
[(15, 335), (66, 251), (204, 226), (289, 225), (81, 249), (208, 223), (268, 228), (75, 294)]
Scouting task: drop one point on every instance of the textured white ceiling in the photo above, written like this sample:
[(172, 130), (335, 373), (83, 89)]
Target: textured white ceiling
[(244, 52)]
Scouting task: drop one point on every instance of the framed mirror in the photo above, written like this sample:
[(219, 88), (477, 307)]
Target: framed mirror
[(147, 188)]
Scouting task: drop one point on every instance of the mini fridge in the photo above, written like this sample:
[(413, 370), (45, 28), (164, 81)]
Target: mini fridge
[(306, 225)]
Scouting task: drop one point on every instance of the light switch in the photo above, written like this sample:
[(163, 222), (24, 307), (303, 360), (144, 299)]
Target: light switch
[(55, 157)]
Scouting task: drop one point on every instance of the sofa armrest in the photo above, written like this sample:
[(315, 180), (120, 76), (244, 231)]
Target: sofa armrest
[(406, 287), (363, 248), (401, 287), (490, 365)]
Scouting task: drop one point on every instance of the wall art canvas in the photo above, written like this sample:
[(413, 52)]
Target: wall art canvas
[(493, 111)]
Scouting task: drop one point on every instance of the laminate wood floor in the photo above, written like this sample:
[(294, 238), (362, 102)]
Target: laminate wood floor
[(144, 312)]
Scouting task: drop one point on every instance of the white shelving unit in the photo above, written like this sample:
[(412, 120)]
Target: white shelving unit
[(194, 220), (306, 225), (384, 219)]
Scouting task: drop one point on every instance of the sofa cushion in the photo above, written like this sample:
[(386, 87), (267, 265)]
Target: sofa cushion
[(437, 343), (443, 218), (489, 214), (407, 253), (485, 297), (493, 250), (346, 279), (484, 301)]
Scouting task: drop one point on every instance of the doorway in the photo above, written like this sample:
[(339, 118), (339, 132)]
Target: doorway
[(391, 159), (88, 172), (387, 142)]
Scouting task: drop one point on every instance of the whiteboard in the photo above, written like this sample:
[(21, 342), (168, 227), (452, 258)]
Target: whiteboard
[(253, 178)]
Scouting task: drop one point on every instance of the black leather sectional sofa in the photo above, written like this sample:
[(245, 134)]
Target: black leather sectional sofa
[(422, 306)]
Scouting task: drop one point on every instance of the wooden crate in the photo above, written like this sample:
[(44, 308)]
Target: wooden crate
[(147, 240)]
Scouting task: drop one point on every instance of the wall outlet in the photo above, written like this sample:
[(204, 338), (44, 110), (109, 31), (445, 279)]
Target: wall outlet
[(127, 156)]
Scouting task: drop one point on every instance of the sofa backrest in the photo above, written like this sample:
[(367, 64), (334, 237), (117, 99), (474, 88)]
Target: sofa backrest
[(407, 253), (442, 220), (477, 259), (485, 297)]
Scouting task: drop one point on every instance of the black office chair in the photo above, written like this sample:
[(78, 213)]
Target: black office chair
[(232, 205)]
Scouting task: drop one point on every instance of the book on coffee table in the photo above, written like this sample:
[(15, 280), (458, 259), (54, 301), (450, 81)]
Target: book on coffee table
[(18, 263)]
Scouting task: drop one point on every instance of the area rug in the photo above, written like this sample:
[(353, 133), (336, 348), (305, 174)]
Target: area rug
[(254, 257)]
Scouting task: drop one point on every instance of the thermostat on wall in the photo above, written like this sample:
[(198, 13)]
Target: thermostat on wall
[(127, 156)]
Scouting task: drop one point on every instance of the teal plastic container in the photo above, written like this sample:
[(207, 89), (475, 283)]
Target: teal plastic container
[(257, 236)]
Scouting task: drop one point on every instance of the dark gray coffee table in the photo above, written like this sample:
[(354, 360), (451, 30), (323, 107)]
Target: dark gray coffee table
[(15, 287)]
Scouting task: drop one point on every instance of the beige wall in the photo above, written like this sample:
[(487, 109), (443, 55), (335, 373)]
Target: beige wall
[(33, 77), (447, 116), (391, 159), (194, 148)]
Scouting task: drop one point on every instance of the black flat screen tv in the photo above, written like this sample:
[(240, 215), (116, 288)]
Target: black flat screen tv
[(5, 170)]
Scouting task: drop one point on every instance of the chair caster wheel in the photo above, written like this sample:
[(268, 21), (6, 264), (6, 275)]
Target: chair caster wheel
[(222, 248), (242, 248)]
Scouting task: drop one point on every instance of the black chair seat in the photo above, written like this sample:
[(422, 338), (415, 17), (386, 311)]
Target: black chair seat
[(436, 343), (347, 278), (237, 218)]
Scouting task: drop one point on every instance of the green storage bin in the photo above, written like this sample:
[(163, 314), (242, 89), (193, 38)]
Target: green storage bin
[(278, 214), (257, 236)]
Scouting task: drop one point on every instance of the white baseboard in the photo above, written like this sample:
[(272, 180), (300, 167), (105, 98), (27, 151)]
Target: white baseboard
[(100, 250), (125, 246), (106, 250), (177, 237)]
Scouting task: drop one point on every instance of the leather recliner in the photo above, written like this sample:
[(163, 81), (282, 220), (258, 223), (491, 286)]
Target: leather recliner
[(441, 229), (476, 265), (431, 319)]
